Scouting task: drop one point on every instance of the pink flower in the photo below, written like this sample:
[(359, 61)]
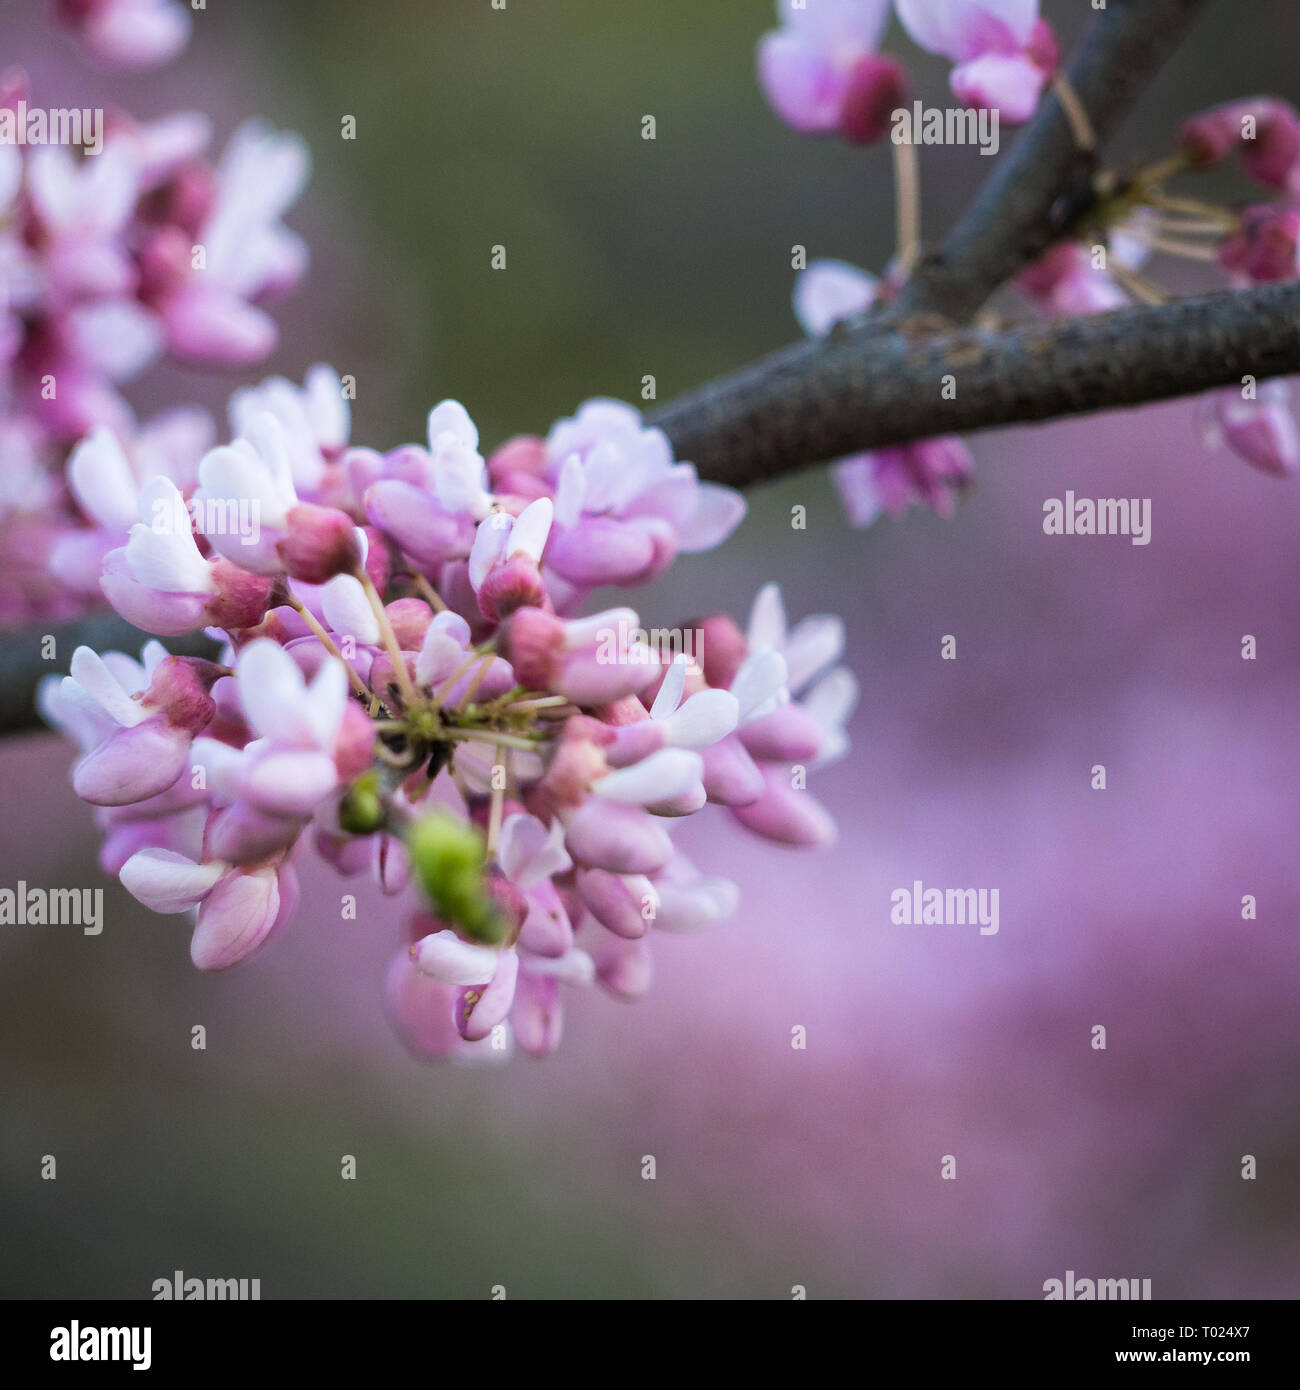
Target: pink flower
[(505, 560), (1261, 430), (210, 312), (821, 71), (364, 673), (128, 33), (623, 507), (1263, 249), (238, 907), (780, 737), (1264, 130), (1003, 53), (135, 723)]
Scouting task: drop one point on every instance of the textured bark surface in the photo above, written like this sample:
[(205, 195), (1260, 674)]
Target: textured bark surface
[(1044, 185), (821, 400)]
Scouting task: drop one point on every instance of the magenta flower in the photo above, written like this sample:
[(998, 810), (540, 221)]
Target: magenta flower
[(1265, 131), (210, 312), (135, 723), (128, 33), (1261, 430), (238, 908), (822, 73), (1264, 248), (1003, 53), (624, 509)]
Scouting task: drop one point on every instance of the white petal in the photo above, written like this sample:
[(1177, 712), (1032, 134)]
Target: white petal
[(327, 698), (450, 418), (271, 690), (328, 408), (87, 670), (235, 472), (685, 907), (813, 644), (718, 511), (528, 852), (223, 767), (760, 684), (829, 291), (570, 492), (660, 777), (444, 956), (490, 541), (670, 692), (102, 482), (166, 881), (767, 619), (443, 649), (162, 552), (347, 610), (531, 529), (705, 718), (575, 967), (831, 703)]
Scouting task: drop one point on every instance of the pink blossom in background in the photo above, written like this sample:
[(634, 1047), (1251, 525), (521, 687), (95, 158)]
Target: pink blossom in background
[(128, 33)]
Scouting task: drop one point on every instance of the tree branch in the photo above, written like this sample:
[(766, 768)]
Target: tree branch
[(1045, 183), (821, 400), (764, 420)]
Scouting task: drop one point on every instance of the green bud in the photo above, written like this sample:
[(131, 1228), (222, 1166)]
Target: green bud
[(361, 811), (448, 856)]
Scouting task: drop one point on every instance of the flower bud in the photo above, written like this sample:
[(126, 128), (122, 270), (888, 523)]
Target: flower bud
[(448, 858), (877, 87)]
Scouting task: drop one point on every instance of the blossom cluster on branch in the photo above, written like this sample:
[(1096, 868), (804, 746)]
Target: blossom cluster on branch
[(408, 684), (406, 691)]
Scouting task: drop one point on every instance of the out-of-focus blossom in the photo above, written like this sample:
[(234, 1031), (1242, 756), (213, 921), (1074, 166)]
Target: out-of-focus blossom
[(108, 263), (822, 73), (1264, 247), (1003, 53), (1260, 429), (128, 33), (1264, 131)]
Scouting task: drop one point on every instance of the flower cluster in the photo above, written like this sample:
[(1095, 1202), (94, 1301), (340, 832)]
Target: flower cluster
[(109, 261), (406, 689)]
